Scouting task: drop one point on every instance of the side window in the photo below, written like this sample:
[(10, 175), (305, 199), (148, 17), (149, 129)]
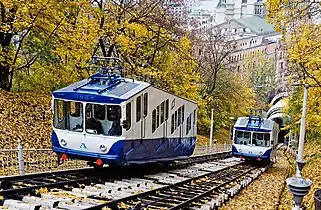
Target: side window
[(154, 120), (187, 125), (145, 104), (138, 108), (175, 120), (129, 115), (172, 124), (238, 137), (179, 116), (157, 116), (162, 113), (166, 109), (183, 113), (194, 117), (60, 110), (59, 114)]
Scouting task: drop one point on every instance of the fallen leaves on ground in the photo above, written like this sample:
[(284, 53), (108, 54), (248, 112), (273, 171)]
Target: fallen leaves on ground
[(264, 192), (312, 171), (22, 118)]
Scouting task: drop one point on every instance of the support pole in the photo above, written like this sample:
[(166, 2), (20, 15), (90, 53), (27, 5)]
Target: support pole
[(20, 159), (302, 129), (289, 141), (211, 131)]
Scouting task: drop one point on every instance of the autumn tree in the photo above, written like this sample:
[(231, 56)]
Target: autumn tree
[(222, 88), (214, 50), (150, 43), (298, 21), (232, 97), (260, 72), (45, 37)]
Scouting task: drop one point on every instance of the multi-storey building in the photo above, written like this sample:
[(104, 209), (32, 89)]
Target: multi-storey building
[(177, 8), (226, 10), (251, 37)]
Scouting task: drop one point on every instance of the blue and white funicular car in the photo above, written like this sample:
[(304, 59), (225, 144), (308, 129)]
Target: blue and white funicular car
[(255, 138), (108, 119)]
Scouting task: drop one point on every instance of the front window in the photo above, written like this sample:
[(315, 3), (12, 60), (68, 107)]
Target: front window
[(68, 115), (103, 119), (100, 119), (261, 139), (242, 137)]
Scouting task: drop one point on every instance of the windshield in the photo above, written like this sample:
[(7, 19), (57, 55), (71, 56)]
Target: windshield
[(99, 119), (261, 139), (242, 137), (103, 119)]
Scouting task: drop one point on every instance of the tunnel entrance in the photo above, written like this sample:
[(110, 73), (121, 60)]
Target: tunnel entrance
[(282, 132)]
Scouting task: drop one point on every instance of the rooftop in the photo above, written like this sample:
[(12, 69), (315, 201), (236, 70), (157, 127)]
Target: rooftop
[(256, 24), (259, 124), (100, 92)]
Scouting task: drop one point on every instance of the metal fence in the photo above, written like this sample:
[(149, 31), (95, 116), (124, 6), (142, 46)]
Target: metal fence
[(23, 161), (203, 150), (292, 151)]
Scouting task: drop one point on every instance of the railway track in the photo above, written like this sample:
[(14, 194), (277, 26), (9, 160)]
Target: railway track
[(72, 183), (191, 187), (13, 184), (207, 190)]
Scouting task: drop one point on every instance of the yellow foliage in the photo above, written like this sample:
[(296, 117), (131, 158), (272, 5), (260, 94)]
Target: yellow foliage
[(52, 37), (302, 39)]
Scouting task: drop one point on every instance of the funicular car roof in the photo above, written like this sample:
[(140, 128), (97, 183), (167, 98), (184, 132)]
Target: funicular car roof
[(90, 92)]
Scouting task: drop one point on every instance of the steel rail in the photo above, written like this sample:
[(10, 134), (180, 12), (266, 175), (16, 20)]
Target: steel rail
[(188, 202), (113, 204), (49, 185), (85, 175)]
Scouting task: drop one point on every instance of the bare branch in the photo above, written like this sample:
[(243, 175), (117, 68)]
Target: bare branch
[(34, 58)]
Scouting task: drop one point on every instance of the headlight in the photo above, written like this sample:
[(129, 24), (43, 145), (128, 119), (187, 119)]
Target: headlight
[(240, 150), (103, 147), (261, 153), (63, 142)]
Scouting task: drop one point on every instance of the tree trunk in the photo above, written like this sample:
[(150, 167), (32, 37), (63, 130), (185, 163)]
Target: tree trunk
[(5, 74), (5, 78)]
